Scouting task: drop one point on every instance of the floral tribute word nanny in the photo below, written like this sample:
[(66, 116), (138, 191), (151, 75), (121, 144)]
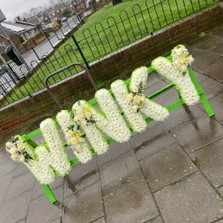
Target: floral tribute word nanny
[(86, 128)]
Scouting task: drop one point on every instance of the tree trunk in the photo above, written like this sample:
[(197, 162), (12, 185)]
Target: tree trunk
[(115, 2)]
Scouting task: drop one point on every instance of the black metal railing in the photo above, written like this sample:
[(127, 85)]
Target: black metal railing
[(90, 44)]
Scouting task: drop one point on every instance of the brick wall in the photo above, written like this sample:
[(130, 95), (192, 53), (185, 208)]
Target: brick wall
[(20, 116)]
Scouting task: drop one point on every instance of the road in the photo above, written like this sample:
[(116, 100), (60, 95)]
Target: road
[(7, 82)]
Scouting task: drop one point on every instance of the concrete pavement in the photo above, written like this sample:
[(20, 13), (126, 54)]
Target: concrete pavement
[(171, 173)]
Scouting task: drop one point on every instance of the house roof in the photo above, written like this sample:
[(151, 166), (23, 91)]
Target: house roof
[(18, 27)]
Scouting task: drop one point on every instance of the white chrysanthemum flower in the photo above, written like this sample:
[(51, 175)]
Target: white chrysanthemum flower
[(181, 79), (74, 136), (136, 120), (87, 123), (56, 157)]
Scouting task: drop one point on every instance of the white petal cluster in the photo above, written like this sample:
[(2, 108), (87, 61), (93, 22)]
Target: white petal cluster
[(74, 136), (40, 169), (139, 80), (139, 101), (181, 59), (83, 116), (19, 149), (182, 81), (57, 156), (113, 124), (135, 119)]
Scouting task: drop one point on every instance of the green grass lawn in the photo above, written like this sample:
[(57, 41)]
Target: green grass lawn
[(107, 30)]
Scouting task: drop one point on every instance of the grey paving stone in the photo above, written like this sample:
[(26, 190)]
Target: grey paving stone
[(216, 103), (42, 211), (204, 60), (101, 220), (210, 160), (207, 42), (220, 189), (182, 115), (38, 190), (152, 140), (84, 206), (201, 77), (7, 167), (22, 221), (212, 87), (166, 166), (131, 203), (167, 98), (15, 209), (220, 221), (216, 72), (20, 169), (115, 150), (59, 220), (198, 133), (191, 200), (119, 171), (81, 176), (20, 185), (4, 156), (154, 220), (155, 87), (4, 182)]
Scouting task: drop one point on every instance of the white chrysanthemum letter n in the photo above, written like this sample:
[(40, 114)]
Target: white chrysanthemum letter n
[(134, 104)]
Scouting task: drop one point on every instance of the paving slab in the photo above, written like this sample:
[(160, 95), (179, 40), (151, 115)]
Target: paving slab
[(182, 115), (38, 190), (42, 211), (115, 150), (217, 103), (15, 209), (154, 220), (166, 167), (22, 221), (20, 170), (20, 185), (216, 71), (153, 139), (204, 60), (81, 176), (101, 220), (132, 203), (84, 206), (7, 167), (5, 183), (210, 161), (59, 220), (212, 87), (191, 200), (123, 169), (197, 133), (4, 156)]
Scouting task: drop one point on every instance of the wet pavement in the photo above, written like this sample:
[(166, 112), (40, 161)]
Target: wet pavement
[(171, 173)]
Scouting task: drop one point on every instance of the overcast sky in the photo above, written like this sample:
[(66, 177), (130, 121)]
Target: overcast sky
[(13, 8)]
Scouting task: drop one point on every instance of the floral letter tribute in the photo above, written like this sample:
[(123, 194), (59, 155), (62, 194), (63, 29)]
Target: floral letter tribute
[(86, 128)]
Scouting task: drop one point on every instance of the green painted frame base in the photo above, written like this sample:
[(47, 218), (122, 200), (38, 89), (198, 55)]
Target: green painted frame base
[(207, 106)]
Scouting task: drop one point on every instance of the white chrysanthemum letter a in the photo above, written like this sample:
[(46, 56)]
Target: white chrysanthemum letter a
[(74, 136), (177, 72), (134, 103)]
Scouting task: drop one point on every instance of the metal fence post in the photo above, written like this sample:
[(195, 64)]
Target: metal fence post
[(81, 52)]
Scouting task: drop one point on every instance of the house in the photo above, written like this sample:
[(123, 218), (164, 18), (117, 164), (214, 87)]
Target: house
[(24, 29)]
